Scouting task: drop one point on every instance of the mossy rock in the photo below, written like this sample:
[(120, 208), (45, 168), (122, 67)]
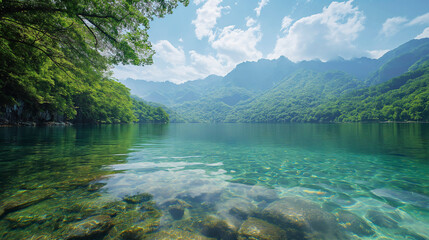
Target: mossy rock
[(217, 228), (138, 198), (139, 231), (176, 234), (90, 228), (23, 199), (257, 229), (300, 217)]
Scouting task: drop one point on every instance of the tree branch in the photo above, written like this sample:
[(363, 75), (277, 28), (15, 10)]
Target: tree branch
[(86, 25), (101, 30)]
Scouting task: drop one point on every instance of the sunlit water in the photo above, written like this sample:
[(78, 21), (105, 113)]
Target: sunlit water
[(378, 173)]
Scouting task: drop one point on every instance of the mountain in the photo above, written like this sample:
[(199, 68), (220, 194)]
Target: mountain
[(281, 90), (294, 97), (399, 60)]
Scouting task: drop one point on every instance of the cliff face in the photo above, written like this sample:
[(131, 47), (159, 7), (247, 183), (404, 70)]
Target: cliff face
[(20, 114)]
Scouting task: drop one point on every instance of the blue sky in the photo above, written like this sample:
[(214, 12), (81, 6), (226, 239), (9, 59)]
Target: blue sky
[(213, 36)]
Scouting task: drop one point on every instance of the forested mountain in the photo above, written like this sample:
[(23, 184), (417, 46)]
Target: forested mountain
[(308, 91)]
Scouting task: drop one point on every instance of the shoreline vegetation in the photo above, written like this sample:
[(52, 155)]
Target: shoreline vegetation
[(56, 60)]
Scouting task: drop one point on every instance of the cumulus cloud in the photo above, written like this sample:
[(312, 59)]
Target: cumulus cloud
[(261, 4), (239, 45), (286, 22), (424, 34), (392, 25), (207, 16), (168, 53), (208, 64), (423, 19), (169, 64), (325, 35)]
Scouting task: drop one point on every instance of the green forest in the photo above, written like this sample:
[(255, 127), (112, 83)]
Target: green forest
[(56, 56), (333, 97)]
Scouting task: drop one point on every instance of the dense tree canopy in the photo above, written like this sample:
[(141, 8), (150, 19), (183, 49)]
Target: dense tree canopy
[(55, 56)]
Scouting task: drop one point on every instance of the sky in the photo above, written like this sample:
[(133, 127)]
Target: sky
[(213, 36)]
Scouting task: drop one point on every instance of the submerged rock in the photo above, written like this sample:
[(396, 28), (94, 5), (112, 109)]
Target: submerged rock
[(20, 220), (379, 219), (236, 210), (24, 199), (90, 228), (139, 231), (354, 223), (261, 193), (95, 186), (239, 213), (216, 228), (300, 218), (176, 211), (176, 207), (39, 237), (175, 201), (257, 229), (176, 234), (138, 198), (133, 224)]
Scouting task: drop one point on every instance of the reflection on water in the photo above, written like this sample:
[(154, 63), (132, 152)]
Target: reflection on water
[(219, 181)]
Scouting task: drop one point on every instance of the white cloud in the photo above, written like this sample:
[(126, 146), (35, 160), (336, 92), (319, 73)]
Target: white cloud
[(181, 40), (237, 44), (197, 2), (391, 26), (208, 64), (169, 64), (168, 53), (261, 4), (376, 54), (424, 34), (207, 16), (286, 22), (423, 19), (325, 35), (250, 21)]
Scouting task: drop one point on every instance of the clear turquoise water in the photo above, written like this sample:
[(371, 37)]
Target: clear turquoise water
[(213, 167)]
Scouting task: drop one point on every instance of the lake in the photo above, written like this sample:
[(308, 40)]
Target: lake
[(215, 181)]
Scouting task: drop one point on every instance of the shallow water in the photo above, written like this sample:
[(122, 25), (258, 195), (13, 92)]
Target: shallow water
[(359, 181)]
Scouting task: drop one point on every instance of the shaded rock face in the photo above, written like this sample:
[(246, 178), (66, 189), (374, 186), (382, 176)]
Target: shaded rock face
[(176, 234), (24, 199), (90, 228), (301, 218), (354, 223), (257, 229)]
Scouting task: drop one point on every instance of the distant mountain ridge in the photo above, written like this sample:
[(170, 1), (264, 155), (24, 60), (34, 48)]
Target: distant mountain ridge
[(279, 82)]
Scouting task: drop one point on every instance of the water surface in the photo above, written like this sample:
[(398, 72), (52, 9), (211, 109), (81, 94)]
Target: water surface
[(366, 181)]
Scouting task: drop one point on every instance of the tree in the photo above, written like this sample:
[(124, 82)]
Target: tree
[(52, 52), (79, 30)]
